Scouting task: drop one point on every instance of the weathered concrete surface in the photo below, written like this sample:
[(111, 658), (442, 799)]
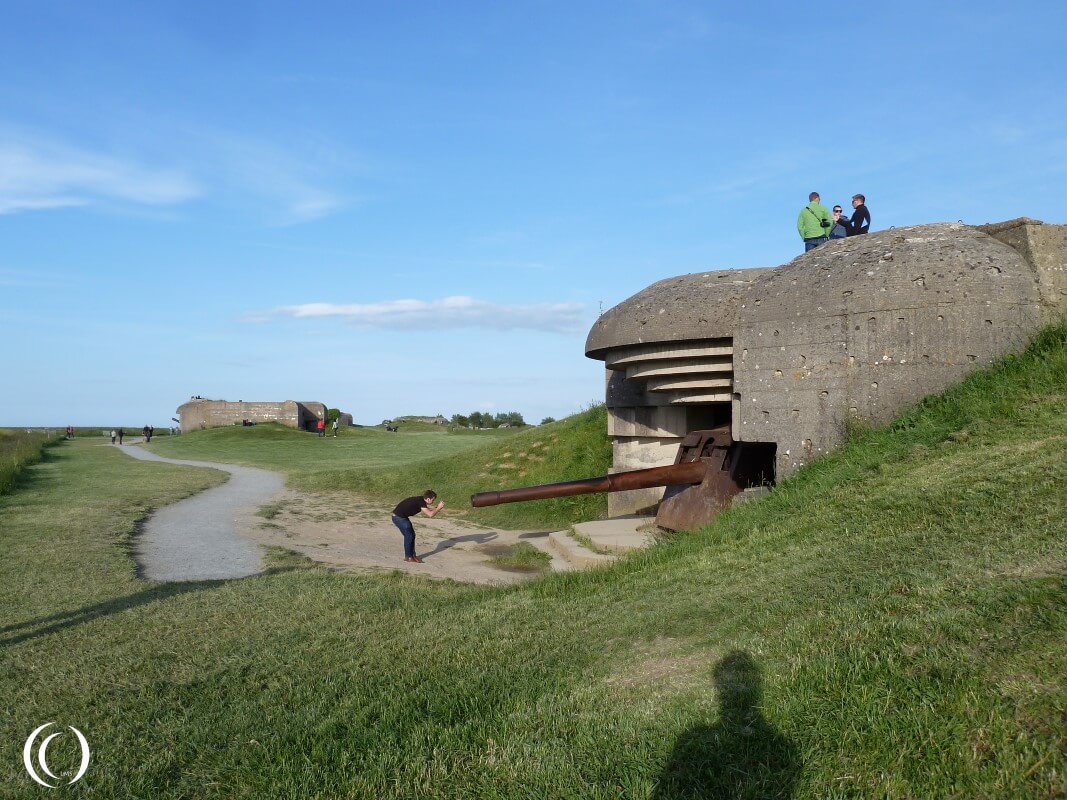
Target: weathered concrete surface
[(576, 553), (1045, 249), (857, 328), (619, 534), (864, 327), (197, 538), (703, 305), (198, 414)]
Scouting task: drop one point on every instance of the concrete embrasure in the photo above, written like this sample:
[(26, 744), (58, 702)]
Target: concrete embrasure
[(197, 538)]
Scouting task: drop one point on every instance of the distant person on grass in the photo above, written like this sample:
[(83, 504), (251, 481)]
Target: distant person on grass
[(814, 223), (113, 436), (321, 427), (122, 433), (335, 429), (405, 510)]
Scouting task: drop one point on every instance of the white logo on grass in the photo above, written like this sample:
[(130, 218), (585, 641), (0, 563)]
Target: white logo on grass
[(42, 756)]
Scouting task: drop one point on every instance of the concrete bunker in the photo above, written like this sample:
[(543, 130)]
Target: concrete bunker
[(782, 358), (199, 413)]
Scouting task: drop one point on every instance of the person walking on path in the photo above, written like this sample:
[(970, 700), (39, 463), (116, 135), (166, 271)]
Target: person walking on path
[(113, 435), (814, 223), (121, 434), (405, 510), (861, 217), (335, 429)]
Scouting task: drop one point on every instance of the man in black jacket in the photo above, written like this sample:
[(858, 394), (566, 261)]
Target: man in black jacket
[(405, 510), (861, 217)]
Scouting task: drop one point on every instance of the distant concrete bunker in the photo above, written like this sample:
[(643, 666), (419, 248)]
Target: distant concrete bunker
[(857, 328), (200, 413)]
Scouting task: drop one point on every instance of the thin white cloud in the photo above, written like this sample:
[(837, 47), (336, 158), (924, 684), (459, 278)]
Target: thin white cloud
[(289, 183), (446, 313), (36, 174)]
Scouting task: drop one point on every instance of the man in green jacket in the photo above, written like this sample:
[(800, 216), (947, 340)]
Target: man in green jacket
[(814, 223)]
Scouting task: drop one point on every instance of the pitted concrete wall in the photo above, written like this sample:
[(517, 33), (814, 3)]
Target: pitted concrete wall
[(1045, 248), (866, 326), (200, 414), (857, 328)]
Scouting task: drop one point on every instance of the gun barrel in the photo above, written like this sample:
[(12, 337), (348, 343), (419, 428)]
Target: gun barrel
[(687, 473)]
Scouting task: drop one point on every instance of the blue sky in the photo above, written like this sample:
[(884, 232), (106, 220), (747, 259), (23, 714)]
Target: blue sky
[(421, 208)]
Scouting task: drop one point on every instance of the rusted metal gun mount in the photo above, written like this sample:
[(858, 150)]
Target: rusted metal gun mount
[(706, 474)]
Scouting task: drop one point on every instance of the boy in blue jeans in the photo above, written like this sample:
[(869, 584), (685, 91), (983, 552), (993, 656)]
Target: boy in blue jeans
[(405, 510)]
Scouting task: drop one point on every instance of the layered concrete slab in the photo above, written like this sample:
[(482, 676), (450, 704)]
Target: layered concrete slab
[(576, 553), (619, 535)]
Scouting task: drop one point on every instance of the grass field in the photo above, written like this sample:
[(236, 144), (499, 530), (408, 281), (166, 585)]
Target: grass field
[(389, 466), (890, 622), (575, 447), (317, 461)]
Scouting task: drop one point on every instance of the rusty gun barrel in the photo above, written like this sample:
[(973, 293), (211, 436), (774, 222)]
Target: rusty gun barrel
[(686, 473)]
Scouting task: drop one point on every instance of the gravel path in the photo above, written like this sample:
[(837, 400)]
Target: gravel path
[(197, 538)]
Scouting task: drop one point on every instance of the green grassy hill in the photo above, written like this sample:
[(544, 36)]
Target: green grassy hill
[(889, 623), (456, 463), (313, 462), (575, 447)]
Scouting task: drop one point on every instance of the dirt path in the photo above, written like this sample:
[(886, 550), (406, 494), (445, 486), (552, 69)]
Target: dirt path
[(199, 538), (219, 533), (341, 530)]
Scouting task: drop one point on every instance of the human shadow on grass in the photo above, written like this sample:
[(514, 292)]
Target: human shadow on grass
[(45, 626), (741, 755), (444, 544)]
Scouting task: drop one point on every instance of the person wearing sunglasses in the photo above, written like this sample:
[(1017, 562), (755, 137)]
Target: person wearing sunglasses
[(841, 227)]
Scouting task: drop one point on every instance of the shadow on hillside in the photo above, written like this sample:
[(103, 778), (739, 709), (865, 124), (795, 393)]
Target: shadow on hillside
[(741, 755), (45, 626)]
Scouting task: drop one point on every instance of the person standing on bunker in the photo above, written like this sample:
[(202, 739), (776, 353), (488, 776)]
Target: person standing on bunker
[(841, 227), (814, 223), (861, 217), (405, 510)]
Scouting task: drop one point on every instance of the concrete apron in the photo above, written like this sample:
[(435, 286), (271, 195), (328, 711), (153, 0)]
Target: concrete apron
[(196, 538)]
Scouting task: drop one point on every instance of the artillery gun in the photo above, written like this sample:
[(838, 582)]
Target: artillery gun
[(708, 471)]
